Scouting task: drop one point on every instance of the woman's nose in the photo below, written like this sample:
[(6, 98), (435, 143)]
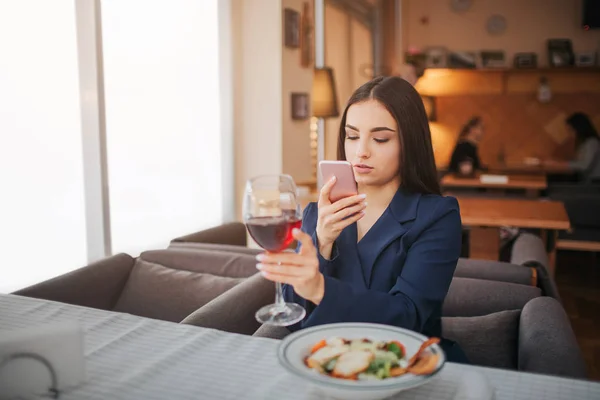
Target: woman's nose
[(362, 150)]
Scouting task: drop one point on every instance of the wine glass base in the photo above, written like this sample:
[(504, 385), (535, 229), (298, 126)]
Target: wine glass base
[(274, 314)]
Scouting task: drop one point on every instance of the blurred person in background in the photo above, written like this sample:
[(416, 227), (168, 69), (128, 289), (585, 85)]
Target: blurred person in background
[(586, 165), (465, 157)]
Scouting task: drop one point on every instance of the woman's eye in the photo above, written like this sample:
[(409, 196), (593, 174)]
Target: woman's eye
[(351, 137), (381, 140)]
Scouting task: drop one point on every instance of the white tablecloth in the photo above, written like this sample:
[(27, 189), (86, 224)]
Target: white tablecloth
[(129, 357)]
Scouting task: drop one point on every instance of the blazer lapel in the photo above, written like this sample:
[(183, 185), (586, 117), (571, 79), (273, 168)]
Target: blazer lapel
[(351, 261), (388, 228)]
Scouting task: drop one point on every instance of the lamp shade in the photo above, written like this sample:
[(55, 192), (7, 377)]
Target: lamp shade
[(324, 96)]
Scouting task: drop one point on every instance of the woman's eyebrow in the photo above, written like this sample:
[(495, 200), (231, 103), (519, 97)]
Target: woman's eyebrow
[(376, 129), (382, 128)]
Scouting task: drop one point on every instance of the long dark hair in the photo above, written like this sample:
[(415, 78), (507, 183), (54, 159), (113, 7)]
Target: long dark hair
[(584, 129), (417, 165), (472, 123)]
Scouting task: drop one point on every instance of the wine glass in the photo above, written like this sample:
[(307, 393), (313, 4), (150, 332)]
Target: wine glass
[(271, 211)]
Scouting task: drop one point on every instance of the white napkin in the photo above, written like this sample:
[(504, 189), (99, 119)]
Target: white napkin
[(25, 352)]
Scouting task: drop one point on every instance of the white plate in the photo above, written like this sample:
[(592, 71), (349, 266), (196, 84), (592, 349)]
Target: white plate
[(295, 347)]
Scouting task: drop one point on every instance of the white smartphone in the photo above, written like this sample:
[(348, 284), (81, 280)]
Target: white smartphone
[(345, 185)]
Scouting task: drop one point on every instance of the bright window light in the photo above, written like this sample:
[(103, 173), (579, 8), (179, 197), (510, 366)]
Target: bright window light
[(161, 72), (42, 210)]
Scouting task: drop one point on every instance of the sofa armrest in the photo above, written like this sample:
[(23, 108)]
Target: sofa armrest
[(495, 271), (529, 250), (272, 332), (97, 285), (233, 233), (547, 344), (234, 310)]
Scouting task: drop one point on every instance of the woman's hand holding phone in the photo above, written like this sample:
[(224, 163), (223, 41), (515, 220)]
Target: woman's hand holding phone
[(334, 217)]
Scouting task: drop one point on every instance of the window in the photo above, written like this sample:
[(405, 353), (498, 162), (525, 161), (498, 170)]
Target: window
[(161, 77), (42, 209), (166, 142)]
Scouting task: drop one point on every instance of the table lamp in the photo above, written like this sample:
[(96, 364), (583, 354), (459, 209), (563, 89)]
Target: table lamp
[(324, 105)]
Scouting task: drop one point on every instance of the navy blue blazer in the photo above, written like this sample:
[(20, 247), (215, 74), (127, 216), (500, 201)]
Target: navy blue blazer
[(397, 274)]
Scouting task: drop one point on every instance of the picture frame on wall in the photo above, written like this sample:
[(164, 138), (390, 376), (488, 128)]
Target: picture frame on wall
[(436, 57), (291, 28), (300, 106)]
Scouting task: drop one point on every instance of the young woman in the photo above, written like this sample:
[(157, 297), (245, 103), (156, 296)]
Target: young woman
[(388, 254), (465, 157), (586, 165)]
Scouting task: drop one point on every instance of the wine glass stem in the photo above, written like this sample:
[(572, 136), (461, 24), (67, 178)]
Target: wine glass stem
[(279, 300)]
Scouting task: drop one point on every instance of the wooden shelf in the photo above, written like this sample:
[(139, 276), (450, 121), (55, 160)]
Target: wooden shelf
[(454, 82), (544, 70)]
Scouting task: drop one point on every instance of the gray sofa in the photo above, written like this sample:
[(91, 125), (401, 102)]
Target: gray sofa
[(499, 317), (497, 324), (160, 284)]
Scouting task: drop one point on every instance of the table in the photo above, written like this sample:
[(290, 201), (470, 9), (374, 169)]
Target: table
[(524, 168), (532, 184), (487, 215), (129, 357)]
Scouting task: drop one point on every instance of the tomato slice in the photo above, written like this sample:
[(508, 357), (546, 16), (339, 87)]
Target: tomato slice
[(318, 346)]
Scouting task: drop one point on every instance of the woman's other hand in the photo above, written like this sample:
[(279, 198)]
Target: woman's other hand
[(300, 270), (465, 168), (334, 217)]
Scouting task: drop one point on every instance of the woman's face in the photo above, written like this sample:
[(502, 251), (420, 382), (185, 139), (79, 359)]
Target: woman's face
[(372, 143), (477, 132)]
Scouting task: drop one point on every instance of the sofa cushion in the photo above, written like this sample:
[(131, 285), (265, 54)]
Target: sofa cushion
[(490, 340), (156, 291), (234, 310), (473, 297), (234, 265)]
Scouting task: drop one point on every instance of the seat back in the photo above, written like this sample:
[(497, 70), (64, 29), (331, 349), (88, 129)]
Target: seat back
[(469, 297), (170, 284)]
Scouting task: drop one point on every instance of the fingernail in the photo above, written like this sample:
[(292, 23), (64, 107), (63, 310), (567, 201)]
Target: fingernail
[(260, 257), (363, 212), (333, 178), (263, 273), (259, 266), (295, 231), (365, 203), (363, 196)]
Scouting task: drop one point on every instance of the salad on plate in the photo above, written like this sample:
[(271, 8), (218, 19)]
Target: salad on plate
[(365, 359)]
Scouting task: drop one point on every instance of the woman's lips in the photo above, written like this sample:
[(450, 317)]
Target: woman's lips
[(362, 168)]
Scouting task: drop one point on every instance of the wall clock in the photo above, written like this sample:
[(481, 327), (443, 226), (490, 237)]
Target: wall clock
[(496, 24)]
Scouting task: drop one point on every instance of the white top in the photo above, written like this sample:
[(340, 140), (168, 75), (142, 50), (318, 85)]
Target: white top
[(587, 161), (129, 357)]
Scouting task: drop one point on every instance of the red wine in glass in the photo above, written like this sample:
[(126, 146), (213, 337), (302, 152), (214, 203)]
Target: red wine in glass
[(273, 233), (271, 212)]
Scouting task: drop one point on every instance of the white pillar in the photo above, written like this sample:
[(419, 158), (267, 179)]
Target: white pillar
[(319, 63), (93, 128)]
